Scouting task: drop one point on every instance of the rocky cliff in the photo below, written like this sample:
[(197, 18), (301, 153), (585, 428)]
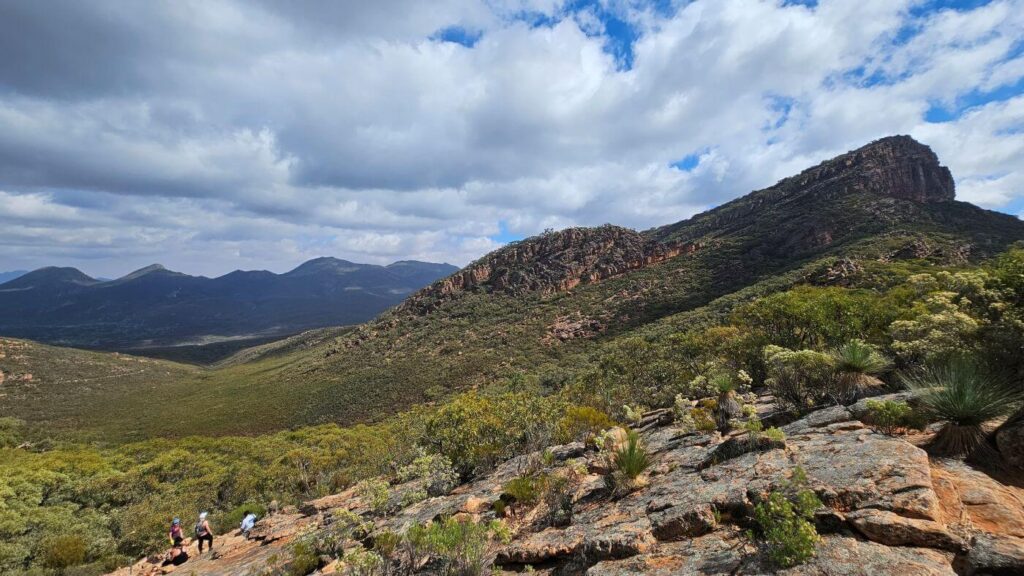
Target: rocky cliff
[(869, 181), (887, 509), (896, 166), (552, 262)]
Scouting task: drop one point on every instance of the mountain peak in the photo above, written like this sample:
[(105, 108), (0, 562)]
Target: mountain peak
[(323, 264), (895, 166), (143, 271), (51, 275)]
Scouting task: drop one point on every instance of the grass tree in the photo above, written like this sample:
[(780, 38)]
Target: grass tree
[(629, 461), (858, 365), (964, 397), (726, 407)]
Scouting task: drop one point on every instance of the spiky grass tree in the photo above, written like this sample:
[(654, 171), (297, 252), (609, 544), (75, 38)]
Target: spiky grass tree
[(858, 365), (727, 407), (629, 461), (964, 398)]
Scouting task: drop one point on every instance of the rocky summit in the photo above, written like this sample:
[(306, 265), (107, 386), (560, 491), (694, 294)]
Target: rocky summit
[(886, 509)]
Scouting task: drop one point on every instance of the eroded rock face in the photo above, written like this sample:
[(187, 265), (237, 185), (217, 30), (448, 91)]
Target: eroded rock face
[(896, 166), (552, 262)]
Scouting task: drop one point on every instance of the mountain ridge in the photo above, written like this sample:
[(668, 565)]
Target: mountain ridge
[(156, 306)]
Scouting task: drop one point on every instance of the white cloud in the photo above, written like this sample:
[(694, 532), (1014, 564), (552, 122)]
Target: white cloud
[(216, 135)]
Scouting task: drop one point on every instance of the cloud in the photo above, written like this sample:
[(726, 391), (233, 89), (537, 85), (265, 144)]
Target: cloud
[(218, 134)]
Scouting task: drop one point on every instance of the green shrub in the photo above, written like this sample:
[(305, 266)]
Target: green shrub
[(386, 543), (475, 432), (963, 397), (363, 562), (889, 416), (702, 420), (462, 546), (499, 507), (435, 470), (754, 428), (942, 327), (582, 423), (784, 523), (788, 535), (524, 490), (774, 434), (800, 380), (63, 551), (304, 560), (374, 493)]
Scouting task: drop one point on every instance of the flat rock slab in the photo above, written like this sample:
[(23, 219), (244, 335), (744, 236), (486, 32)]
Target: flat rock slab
[(892, 529), (711, 554), (976, 501), (846, 555)]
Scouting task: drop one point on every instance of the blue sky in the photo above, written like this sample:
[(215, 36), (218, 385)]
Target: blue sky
[(220, 134)]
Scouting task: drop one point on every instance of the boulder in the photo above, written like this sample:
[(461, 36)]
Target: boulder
[(892, 529), (837, 554), (678, 522), (995, 556)]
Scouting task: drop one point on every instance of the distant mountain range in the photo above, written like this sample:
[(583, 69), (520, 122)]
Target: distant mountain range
[(154, 306)]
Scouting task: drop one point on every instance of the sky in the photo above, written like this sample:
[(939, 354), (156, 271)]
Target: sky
[(214, 135)]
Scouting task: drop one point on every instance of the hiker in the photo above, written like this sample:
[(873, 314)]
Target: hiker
[(174, 534), (177, 556), (203, 532), (248, 521)]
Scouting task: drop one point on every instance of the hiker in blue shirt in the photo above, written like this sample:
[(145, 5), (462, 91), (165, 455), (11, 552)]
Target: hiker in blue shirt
[(247, 523)]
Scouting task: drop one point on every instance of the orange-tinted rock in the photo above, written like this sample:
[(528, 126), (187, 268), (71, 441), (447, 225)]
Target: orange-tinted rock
[(977, 501)]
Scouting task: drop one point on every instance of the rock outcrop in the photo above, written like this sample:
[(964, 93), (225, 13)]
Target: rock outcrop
[(896, 166), (887, 509), (551, 262)]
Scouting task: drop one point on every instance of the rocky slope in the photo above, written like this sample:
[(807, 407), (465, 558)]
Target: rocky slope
[(888, 509)]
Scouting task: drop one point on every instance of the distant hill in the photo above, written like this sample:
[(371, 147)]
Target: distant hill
[(11, 275), (156, 307)]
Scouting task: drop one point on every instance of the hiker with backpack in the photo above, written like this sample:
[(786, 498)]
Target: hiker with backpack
[(174, 534), (203, 532)]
